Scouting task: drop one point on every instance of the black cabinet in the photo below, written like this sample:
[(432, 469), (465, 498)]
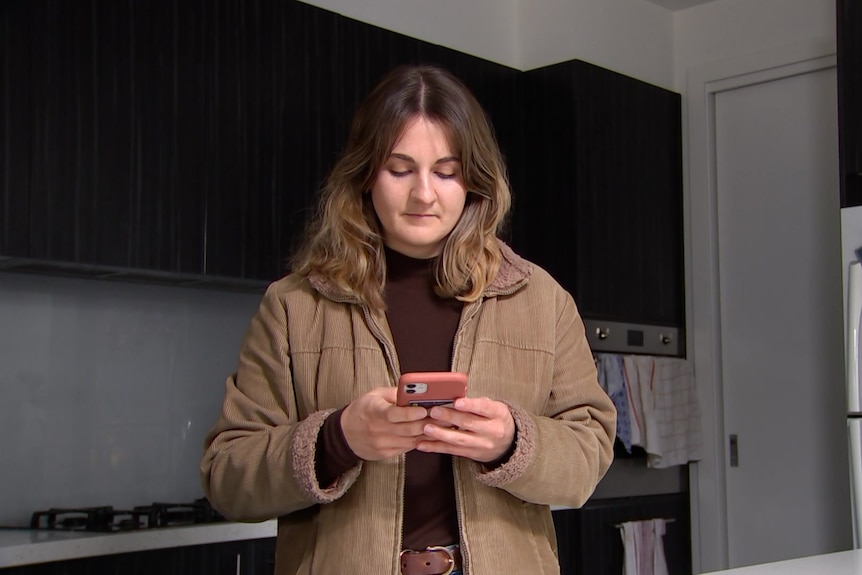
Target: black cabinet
[(189, 139), (599, 192), (589, 538), (99, 137), (850, 100), (15, 131)]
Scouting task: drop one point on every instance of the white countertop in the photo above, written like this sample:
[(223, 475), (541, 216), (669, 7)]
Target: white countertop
[(841, 563), (28, 546)]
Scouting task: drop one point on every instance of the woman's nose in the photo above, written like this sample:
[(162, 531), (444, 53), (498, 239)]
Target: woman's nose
[(423, 189)]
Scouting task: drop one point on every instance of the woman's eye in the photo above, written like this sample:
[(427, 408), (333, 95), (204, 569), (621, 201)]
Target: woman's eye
[(445, 176), (399, 174)]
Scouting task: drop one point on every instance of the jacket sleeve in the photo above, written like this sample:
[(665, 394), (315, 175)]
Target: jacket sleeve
[(561, 454), (259, 458)]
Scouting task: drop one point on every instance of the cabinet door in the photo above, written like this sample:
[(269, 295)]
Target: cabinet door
[(628, 177), (850, 93), (106, 133), (15, 32), (599, 192), (589, 538)]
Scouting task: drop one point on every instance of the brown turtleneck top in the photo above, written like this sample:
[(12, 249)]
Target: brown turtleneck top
[(423, 326)]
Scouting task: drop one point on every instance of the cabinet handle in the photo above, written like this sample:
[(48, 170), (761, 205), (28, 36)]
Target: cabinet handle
[(602, 333), (665, 339), (238, 562)]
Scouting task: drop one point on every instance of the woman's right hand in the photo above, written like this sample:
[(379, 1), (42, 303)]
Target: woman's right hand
[(375, 428)]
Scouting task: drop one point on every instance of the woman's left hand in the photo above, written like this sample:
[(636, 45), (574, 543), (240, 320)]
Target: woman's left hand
[(478, 428)]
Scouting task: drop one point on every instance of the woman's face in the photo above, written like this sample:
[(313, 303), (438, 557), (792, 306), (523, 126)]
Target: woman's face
[(419, 194)]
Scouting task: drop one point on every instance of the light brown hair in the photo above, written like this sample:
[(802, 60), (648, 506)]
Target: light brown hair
[(344, 242)]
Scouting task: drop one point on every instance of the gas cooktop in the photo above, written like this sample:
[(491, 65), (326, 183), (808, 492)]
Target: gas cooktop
[(106, 519)]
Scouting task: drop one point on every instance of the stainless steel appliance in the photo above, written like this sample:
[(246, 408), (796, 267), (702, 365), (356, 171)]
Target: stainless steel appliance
[(851, 240)]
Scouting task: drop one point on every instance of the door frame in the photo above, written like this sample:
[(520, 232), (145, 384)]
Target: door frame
[(707, 477)]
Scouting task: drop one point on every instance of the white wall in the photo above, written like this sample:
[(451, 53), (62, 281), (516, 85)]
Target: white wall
[(633, 37), (726, 29), (483, 28)]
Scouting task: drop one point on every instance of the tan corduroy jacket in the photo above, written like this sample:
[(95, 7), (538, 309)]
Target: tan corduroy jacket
[(309, 351)]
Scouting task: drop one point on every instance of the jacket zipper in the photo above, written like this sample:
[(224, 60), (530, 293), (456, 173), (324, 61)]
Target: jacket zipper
[(469, 314), (395, 369)]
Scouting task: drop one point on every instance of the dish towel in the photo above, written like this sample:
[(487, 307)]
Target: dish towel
[(612, 379), (638, 373), (643, 542), (671, 405), (664, 409)]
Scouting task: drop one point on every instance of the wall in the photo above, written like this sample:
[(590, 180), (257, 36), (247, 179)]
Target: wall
[(712, 41), (726, 29), (633, 37), (483, 28), (108, 389)]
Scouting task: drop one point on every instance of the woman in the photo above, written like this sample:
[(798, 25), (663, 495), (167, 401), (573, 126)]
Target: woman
[(402, 271)]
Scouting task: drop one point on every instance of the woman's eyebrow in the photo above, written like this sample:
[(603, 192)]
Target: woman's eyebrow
[(406, 158)]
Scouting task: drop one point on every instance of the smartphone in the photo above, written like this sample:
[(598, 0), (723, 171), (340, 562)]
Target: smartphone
[(430, 388)]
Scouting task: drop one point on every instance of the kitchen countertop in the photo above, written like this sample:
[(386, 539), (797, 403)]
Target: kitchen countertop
[(840, 563), (28, 546)]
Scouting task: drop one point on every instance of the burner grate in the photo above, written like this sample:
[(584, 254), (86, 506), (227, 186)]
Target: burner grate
[(171, 514), (107, 519), (102, 518)]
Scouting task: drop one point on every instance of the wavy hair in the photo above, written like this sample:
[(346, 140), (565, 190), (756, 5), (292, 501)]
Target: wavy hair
[(344, 241)]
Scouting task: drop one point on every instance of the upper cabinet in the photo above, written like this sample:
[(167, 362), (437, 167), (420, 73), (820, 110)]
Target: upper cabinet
[(14, 129), (850, 100), (186, 142), (183, 141), (111, 136), (599, 192)]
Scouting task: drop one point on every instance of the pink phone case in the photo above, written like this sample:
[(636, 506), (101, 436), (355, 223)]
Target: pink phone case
[(429, 388)]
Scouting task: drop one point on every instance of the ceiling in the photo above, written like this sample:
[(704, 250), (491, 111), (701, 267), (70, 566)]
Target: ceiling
[(678, 4)]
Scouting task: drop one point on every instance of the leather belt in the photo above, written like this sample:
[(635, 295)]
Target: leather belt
[(433, 561)]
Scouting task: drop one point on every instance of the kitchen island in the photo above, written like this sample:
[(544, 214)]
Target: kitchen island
[(30, 546), (840, 563)]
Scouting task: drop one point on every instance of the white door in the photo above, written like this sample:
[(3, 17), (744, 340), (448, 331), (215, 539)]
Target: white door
[(781, 318)]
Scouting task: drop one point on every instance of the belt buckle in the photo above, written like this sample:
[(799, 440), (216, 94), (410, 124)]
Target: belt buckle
[(448, 552)]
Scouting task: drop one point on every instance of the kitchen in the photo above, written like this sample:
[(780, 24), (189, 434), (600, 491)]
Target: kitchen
[(131, 324)]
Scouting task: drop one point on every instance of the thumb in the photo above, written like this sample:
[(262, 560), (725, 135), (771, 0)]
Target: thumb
[(389, 394)]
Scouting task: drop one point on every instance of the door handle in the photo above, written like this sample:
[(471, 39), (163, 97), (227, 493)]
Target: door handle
[(734, 450)]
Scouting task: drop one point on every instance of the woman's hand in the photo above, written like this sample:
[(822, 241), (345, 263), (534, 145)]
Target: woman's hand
[(478, 428), (375, 428)]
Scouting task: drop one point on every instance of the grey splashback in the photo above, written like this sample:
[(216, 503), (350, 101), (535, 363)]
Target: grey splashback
[(108, 389)]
